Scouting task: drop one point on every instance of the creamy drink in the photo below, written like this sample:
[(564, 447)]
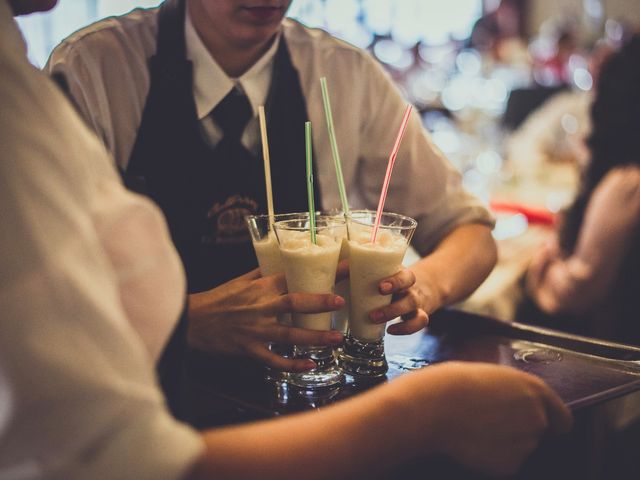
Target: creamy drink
[(268, 253), (341, 316), (368, 264), (265, 244), (371, 260), (310, 268), (310, 259)]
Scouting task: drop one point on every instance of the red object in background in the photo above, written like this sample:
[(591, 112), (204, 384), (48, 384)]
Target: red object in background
[(534, 215)]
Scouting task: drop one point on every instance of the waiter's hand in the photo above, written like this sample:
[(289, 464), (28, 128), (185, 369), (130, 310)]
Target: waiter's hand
[(408, 302), (239, 318)]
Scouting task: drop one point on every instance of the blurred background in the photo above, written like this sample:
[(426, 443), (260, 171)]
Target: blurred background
[(504, 87)]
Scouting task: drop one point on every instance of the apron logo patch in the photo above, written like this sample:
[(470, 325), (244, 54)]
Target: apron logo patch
[(225, 221)]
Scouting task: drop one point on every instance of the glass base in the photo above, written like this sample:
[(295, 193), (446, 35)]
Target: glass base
[(327, 374), (272, 375), (363, 359)]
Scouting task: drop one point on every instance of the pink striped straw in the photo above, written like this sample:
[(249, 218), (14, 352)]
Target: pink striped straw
[(387, 176)]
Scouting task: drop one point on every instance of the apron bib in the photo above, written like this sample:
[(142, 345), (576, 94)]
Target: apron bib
[(203, 193)]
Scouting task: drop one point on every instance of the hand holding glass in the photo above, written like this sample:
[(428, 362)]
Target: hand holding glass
[(369, 263)]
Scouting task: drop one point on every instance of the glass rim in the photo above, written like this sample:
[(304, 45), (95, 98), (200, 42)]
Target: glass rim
[(328, 222), (275, 215), (410, 222)]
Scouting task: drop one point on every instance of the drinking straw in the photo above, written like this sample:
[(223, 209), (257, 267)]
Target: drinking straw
[(267, 163), (334, 144), (387, 176), (312, 208)]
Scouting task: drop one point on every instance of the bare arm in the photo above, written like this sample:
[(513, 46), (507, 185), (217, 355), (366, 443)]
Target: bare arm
[(458, 265), (421, 414), (582, 280)]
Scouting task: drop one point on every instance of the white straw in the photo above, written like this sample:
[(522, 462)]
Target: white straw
[(267, 163)]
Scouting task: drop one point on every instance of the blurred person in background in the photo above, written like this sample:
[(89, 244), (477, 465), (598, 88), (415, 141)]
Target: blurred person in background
[(87, 265), (173, 93), (556, 131), (497, 34), (555, 70), (586, 279)]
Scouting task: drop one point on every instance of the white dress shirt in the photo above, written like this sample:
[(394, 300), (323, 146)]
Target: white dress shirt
[(90, 289), (106, 68)]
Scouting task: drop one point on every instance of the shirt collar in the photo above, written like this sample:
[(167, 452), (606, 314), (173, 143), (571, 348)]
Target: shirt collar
[(211, 84)]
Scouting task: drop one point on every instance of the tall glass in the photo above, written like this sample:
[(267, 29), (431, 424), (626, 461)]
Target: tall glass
[(311, 268), (369, 263), (267, 250), (341, 317)]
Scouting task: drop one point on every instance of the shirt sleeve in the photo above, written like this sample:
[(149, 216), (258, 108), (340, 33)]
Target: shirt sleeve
[(424, 184), (78, 394), (104, 69)]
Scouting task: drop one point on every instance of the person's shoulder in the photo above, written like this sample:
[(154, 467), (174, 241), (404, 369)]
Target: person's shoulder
[(134, 32), (624, 176), (319, 41)]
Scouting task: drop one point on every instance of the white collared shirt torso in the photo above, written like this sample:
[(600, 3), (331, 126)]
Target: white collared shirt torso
[(109, 82)]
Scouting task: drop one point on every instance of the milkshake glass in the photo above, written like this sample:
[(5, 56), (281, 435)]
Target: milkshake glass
[(311, 268), (369, 263), (340, 317), (267, 250)]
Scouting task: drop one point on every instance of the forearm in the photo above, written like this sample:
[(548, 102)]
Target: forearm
[(584, 279), (347, 440), (458, 265), (577, 283), (562, 285)]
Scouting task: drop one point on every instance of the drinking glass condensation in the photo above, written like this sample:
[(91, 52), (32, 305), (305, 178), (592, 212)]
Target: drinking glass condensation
[(369, 263), (311, 268)]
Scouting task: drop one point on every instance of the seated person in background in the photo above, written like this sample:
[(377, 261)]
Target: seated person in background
[(155, 86), (587, 280), (90, 289)]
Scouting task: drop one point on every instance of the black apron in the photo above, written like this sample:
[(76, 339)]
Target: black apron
[(205, 196)]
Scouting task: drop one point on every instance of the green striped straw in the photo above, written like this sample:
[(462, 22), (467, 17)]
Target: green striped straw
[(334, 144), (312, 208)]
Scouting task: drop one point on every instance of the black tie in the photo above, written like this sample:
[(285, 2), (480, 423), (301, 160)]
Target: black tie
[(232, 114)]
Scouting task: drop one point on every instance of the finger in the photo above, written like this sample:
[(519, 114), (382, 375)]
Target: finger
[(412, 325), (273, 360), (304, 303), (343, 270), (252, 275), (302, 336), (276, 282), (407, 303), (559, 415), (402, 280)]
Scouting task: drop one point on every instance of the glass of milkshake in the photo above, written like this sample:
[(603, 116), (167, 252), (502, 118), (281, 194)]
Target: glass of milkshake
[(340, 317), (267, 250), (311, 268), (369, 263)]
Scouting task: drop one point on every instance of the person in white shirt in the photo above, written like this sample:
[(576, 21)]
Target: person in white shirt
[(88, 267), (173, 93)]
